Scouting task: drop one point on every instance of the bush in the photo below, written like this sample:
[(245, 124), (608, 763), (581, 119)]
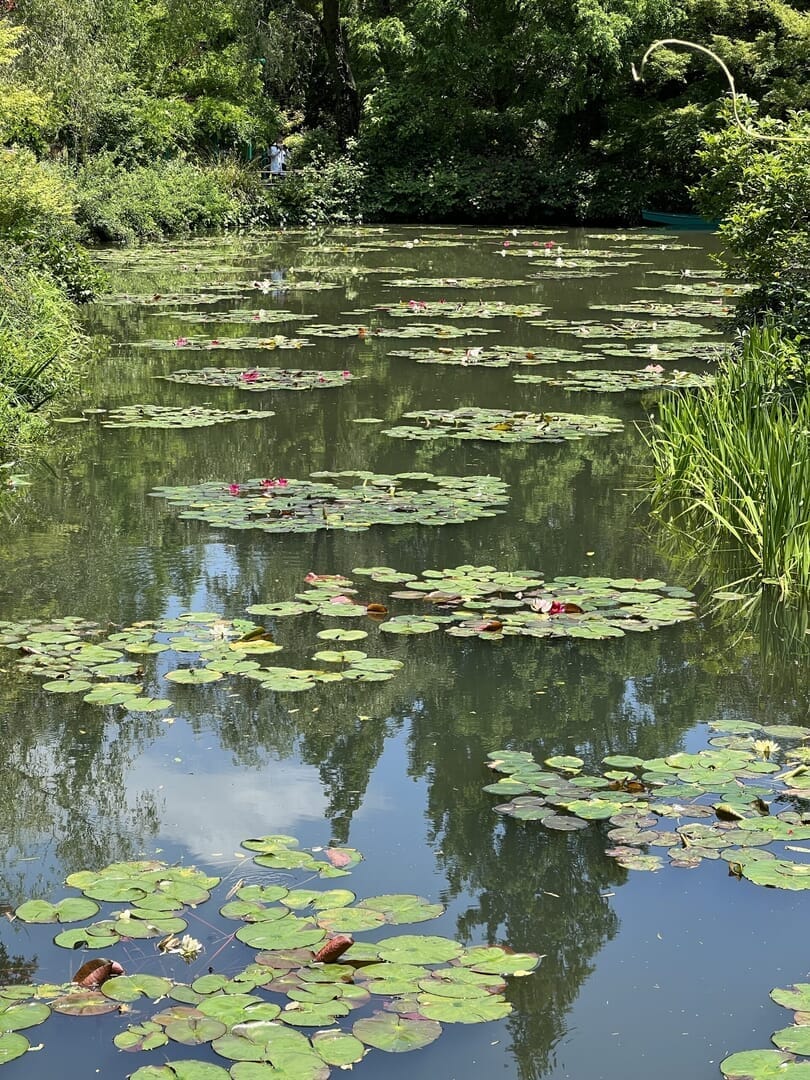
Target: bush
[(41, 348), (36, 215), (761, 191), (320, 191), (167, 198)]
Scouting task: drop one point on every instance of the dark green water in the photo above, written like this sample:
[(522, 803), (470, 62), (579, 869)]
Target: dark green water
[(643, 974)]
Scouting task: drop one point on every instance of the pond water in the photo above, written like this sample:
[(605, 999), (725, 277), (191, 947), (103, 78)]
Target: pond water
[(642, 973)]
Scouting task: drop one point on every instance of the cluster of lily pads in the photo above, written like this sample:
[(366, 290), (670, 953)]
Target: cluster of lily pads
[(165, 416), (453, 283), (636, 329), (735, 801), (492, 356), (74, 656), (242, 315), (501, 425), (792, 1041), (483, 602), (281, 1014), (614, 382), (262, 378), (358, 330), (451, 309), (200, 344), (350, 500), (687, 309)]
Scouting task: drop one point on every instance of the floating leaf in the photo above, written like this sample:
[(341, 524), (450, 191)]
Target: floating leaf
[(164, 416), (396, 1034), (259, 379), (72, 909)]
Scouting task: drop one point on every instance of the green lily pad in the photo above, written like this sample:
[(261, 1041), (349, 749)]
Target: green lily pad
[(418, 949), (463, 1010), (72, 909), (395, 1034), (398, 908), (338, 1048), (12, 1046), (165, 416), (16, 1016)]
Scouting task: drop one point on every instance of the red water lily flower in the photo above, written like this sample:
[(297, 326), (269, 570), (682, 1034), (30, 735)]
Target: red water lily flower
[(250, 376), (267, 484), (282, 481), (181, 341), (234, 489), (550, 244), (346, 374)]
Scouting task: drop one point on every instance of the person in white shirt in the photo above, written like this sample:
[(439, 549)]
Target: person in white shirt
[(278, 159)]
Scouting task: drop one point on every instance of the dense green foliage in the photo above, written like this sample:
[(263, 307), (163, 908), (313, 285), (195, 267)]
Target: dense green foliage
[(478, 110), (732, 462), (761, 191), (41, 350)]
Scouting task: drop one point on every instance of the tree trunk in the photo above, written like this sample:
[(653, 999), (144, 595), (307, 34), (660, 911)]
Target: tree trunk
[(346, 98)]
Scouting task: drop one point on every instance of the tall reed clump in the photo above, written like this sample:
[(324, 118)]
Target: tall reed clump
[(42, 350), (732, 462)]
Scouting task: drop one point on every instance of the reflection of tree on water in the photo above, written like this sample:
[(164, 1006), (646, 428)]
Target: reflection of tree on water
[(63, 789), (531, 888)]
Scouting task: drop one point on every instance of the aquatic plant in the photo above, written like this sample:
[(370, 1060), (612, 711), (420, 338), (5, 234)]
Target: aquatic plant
[(350, 500), (501, 425), (731, 802), (732, 462), (652, 377), (281, 1014), (262, 378)]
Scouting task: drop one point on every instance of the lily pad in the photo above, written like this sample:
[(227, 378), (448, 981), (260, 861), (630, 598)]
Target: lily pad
[(72, 909), (395, 1034), (652, 377)]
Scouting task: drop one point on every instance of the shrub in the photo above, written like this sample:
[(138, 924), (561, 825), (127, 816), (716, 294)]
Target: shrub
[(147, 202), (36, 215), (761, 191), (41, 347)]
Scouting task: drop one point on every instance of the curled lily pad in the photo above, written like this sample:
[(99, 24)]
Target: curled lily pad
[(84, 1003)]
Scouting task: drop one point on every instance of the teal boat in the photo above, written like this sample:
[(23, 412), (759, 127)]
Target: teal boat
[(678, 221)]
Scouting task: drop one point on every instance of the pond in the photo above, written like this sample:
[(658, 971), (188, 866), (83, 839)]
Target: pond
[(663, 972)]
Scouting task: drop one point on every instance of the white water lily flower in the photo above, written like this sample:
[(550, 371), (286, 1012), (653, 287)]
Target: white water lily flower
[(766, 748)]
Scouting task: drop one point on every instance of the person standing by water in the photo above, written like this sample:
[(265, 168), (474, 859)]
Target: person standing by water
[(278, 159)]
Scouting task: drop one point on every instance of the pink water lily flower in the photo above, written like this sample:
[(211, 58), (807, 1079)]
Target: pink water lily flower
[(656, 369), (282, 481), (250, 376), (267, 484), (550, 244), (340, 599), (215, 341), (181, 341), (234, 489), (346, 374)]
